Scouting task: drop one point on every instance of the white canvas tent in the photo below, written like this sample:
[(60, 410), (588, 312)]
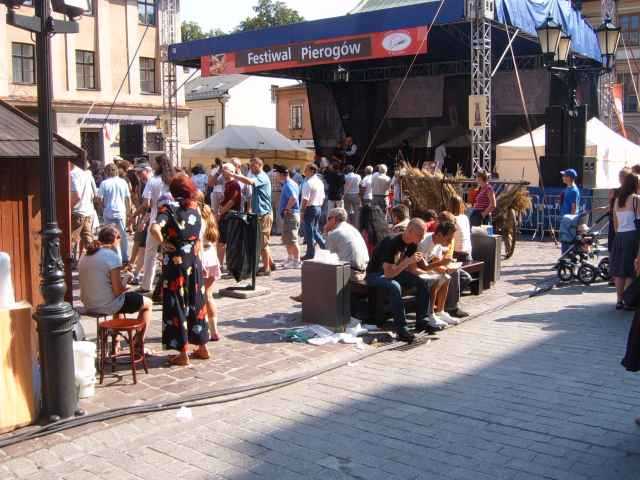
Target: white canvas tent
[(515, 159), (244, 142)]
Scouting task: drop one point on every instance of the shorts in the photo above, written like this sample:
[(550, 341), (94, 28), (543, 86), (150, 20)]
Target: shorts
[(81, 228), (290, 228), (133, 302), (140, 238), (265, 222)]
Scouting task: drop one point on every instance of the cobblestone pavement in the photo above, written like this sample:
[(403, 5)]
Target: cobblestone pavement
[(530, 391), (251, 348)]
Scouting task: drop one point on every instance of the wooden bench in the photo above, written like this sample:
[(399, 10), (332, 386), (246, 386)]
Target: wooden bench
[(377, 302), (476, 270)]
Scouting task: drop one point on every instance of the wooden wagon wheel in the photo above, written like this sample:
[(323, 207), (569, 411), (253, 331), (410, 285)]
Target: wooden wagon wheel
[(509, 232)]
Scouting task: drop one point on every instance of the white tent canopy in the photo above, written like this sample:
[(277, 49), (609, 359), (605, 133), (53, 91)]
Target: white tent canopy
[(515, 159), (244, 142)]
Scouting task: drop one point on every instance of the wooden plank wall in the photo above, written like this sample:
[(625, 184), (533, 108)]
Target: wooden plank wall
[(15, 225)]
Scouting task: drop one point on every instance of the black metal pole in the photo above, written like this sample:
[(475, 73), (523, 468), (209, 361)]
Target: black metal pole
[(55, 318)]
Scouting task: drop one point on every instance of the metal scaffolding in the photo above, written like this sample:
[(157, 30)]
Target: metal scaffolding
[(481, 13), (169, 35)]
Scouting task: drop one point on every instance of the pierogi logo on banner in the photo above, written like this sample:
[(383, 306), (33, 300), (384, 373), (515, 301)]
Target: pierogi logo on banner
[(393, 43)]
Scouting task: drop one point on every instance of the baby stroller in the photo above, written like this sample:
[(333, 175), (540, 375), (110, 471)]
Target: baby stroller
[(581, 249)]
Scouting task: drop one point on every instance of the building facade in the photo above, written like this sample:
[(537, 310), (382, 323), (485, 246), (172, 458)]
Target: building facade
[(293, 115), (627, 71), (218, 101), (107, 85)]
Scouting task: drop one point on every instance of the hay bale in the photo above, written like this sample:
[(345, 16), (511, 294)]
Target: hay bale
[(517, 198), (426, 191)]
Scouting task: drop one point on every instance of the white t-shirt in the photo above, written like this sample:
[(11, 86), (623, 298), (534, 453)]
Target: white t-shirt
[(219, 186), (313, 192), (83, 184), (96, 291), (366, 184), (380, 184), (114, 191), (462, 236), (352, 183), (429, 248), (154, 189)]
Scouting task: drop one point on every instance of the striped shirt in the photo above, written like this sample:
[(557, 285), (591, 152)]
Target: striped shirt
[(482, 199)]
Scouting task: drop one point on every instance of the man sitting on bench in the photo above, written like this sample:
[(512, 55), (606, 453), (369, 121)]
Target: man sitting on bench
[(345, 241), (434, 248), (393, 266)]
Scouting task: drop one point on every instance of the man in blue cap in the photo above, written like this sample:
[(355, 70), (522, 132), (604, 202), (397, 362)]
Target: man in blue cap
[(570, 198)]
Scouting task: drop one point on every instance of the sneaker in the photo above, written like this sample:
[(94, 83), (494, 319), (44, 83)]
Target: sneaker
[(423, 326), (435, 322), (444, 316)]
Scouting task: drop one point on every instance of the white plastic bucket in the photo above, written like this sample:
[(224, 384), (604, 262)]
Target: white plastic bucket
[(84, 357), (87, 389)]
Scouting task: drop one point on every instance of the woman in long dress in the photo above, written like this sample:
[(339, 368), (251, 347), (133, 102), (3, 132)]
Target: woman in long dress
[(184, 312)]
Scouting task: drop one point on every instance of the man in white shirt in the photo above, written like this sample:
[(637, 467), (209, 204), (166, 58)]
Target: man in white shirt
[(439, 155), (433, 247), (312, 200), (352, 195), (380, 185), (83, 191), (116, 200), (365, 186), (216, 183)]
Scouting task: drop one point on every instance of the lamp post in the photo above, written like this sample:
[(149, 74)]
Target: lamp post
[(55, 318), (556, 50), (567, 123)]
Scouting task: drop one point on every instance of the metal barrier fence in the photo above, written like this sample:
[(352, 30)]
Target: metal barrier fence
[(545, 215)]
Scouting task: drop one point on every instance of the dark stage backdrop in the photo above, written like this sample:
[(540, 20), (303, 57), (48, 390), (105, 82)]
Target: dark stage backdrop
[(437, 104)]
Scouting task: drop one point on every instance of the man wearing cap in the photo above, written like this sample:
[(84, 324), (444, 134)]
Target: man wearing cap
[(570, 198)]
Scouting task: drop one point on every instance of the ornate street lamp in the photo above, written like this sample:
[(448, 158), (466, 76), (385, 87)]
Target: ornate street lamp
[(608, 38), (564, 47), (549, 34), (55, 317)]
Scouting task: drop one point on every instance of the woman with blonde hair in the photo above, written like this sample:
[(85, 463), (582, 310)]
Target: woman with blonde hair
[(209, 235)]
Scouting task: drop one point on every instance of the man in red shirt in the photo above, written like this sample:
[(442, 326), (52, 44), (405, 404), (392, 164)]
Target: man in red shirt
[(231, 201)]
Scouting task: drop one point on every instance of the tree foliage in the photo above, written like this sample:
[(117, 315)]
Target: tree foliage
[(193, 31), (269, 13)]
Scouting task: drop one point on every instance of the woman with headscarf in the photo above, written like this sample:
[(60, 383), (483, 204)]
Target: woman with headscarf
[(184, 311)]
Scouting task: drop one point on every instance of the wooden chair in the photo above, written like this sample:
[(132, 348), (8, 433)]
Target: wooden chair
[(127, 328)]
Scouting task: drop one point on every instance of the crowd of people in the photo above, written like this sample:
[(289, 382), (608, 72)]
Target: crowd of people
[(131, 221)]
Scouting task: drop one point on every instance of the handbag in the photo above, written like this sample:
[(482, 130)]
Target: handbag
[(636, 220)]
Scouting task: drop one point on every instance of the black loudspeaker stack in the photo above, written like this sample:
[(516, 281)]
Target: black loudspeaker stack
[(566, 138)]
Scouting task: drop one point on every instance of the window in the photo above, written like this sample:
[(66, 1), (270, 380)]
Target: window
[(147, 75), (295, 116), (85, 70), (209, 126), (155, 142), (23, 63), (147, 12), (629, 99), (630, 26)]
